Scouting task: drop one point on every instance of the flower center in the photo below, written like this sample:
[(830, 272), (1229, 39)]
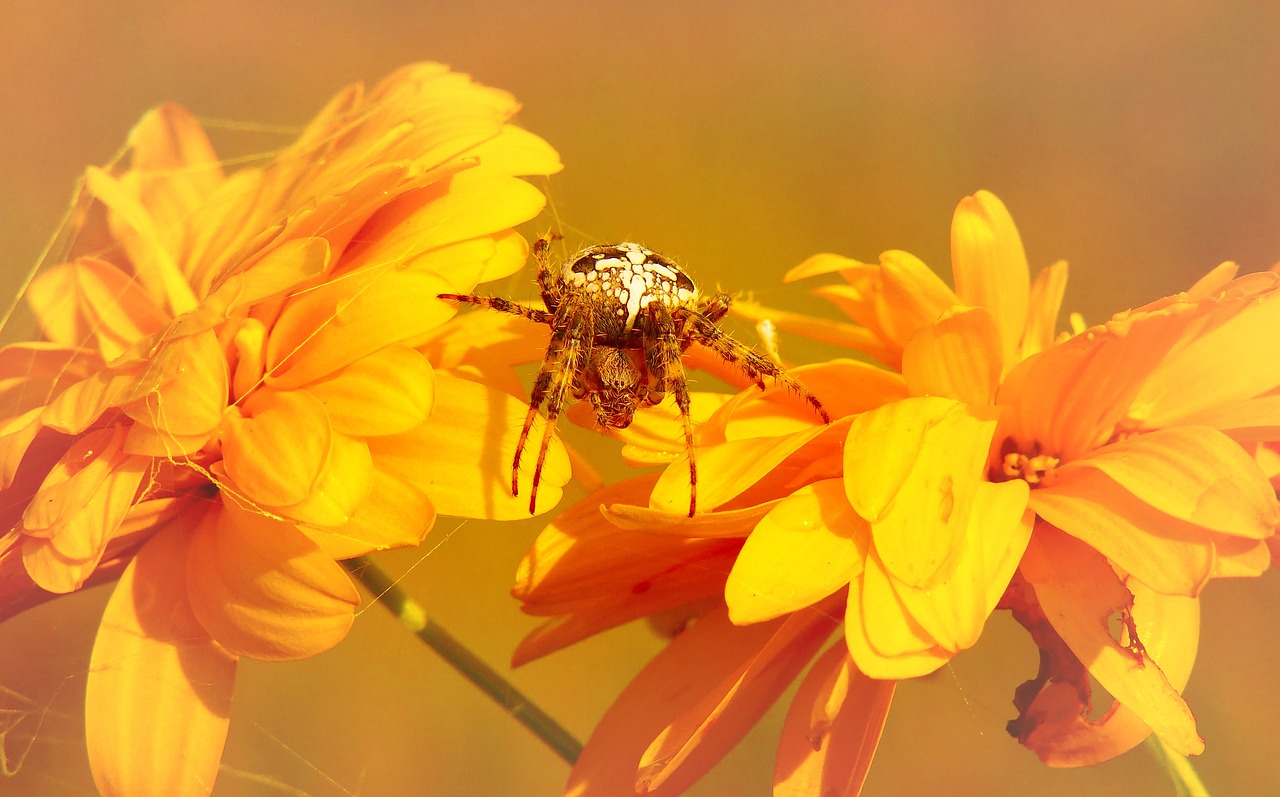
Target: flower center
[(1033, 466)]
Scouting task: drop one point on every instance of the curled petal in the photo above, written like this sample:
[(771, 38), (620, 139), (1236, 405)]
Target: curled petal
[(182, 399), (832, 730), (90, 299), (393, 515), (276, 445), (1079, 593), (158, 693), (884, 640), (262, 589)]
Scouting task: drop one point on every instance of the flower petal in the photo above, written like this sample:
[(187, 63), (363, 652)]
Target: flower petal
[(275, 446), (393, 515), (1195, 474), (182, 399), (158, 693), (958, 357), (1079, 592), (911, 468), (832, 730), (1171, 556), (808, 546), (263, 590), (90, 299), (1043, 306), (884, 640), (990, 267), (387, 392), (471, 436)]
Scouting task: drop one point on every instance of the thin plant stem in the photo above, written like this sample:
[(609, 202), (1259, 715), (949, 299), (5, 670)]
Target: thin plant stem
[(414, 617), (1178, 767)]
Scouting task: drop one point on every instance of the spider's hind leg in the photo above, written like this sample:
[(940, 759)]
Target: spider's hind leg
[(662, 353)]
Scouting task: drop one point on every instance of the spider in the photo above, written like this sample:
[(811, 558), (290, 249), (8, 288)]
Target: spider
[(621, 316)]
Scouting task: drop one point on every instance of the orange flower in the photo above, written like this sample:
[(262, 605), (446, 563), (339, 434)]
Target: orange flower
[(914, 511), (237, 389)]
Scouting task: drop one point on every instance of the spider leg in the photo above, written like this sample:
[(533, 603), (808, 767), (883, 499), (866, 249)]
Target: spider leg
[(566, 356), (662, 352), (714, 307), (751, 362), (501, 305)]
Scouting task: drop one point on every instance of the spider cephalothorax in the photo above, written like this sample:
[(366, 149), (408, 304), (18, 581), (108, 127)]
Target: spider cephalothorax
[(621, 316)]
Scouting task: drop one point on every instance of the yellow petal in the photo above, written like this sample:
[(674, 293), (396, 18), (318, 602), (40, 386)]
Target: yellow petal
[(1043, 306), (1195, 474), (461, 457), (832, 729), (990, 266), (340, 488), (810, 545), (705, 525), (183, 398), (158, 692), (911, 468), (845, 387), (726, 471), (1172, 556), (957, 357), (1079, 592), (884, 641), (263, 590), (954, 610), (516, 151), (387, 392), (893, 298), (394, 514)]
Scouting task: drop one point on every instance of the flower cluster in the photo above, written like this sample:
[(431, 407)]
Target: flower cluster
[(246, 377), (1074, 480)]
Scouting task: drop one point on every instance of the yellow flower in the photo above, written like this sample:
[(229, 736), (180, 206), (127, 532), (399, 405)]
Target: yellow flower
[(237, 389), (911, 517)]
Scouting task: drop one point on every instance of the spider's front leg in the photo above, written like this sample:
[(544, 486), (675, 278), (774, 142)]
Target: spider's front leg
[(567, 354), (501, 305), (662, 352), (751, 362)]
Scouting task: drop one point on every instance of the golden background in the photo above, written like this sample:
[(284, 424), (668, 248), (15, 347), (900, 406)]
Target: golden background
[(1140, 144)]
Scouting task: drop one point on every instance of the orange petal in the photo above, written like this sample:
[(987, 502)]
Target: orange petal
[(990, 267), (1195, 474), (819, 264), (91, 300), (719, 718), (263, 590), (461, 456), (182, 399), (1079, 593), (393, 515), (849, 336), (894, 298), (173, 167), (957, 357), (275, 445), (1226, 358), (1249, 421), (808, 546), (1043, 306), (845, 387), (832, 730), (911, 468), (158, 693), (1172, 556)]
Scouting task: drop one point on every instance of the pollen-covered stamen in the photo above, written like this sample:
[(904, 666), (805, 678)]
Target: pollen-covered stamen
[(1034, 467)]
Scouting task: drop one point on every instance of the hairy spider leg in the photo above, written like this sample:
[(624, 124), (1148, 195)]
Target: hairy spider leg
[(714, 307), (567, 354), (751, 362), (501, 305), (662, 352)]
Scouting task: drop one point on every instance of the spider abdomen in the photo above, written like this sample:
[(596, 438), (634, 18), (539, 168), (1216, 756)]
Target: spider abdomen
[(626, 278)]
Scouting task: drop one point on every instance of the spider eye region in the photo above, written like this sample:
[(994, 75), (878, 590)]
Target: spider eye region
[(627, 278)]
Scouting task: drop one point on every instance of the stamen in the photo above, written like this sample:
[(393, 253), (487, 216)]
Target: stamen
[(1034, 467)]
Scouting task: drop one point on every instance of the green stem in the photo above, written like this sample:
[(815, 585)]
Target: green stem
[(1184, 776), (490, 681)]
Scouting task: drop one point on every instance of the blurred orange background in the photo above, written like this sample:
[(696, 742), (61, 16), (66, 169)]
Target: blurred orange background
[(1138, 143)]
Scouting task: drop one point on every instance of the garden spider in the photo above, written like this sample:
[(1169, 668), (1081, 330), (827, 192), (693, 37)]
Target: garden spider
[(621, 316)]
